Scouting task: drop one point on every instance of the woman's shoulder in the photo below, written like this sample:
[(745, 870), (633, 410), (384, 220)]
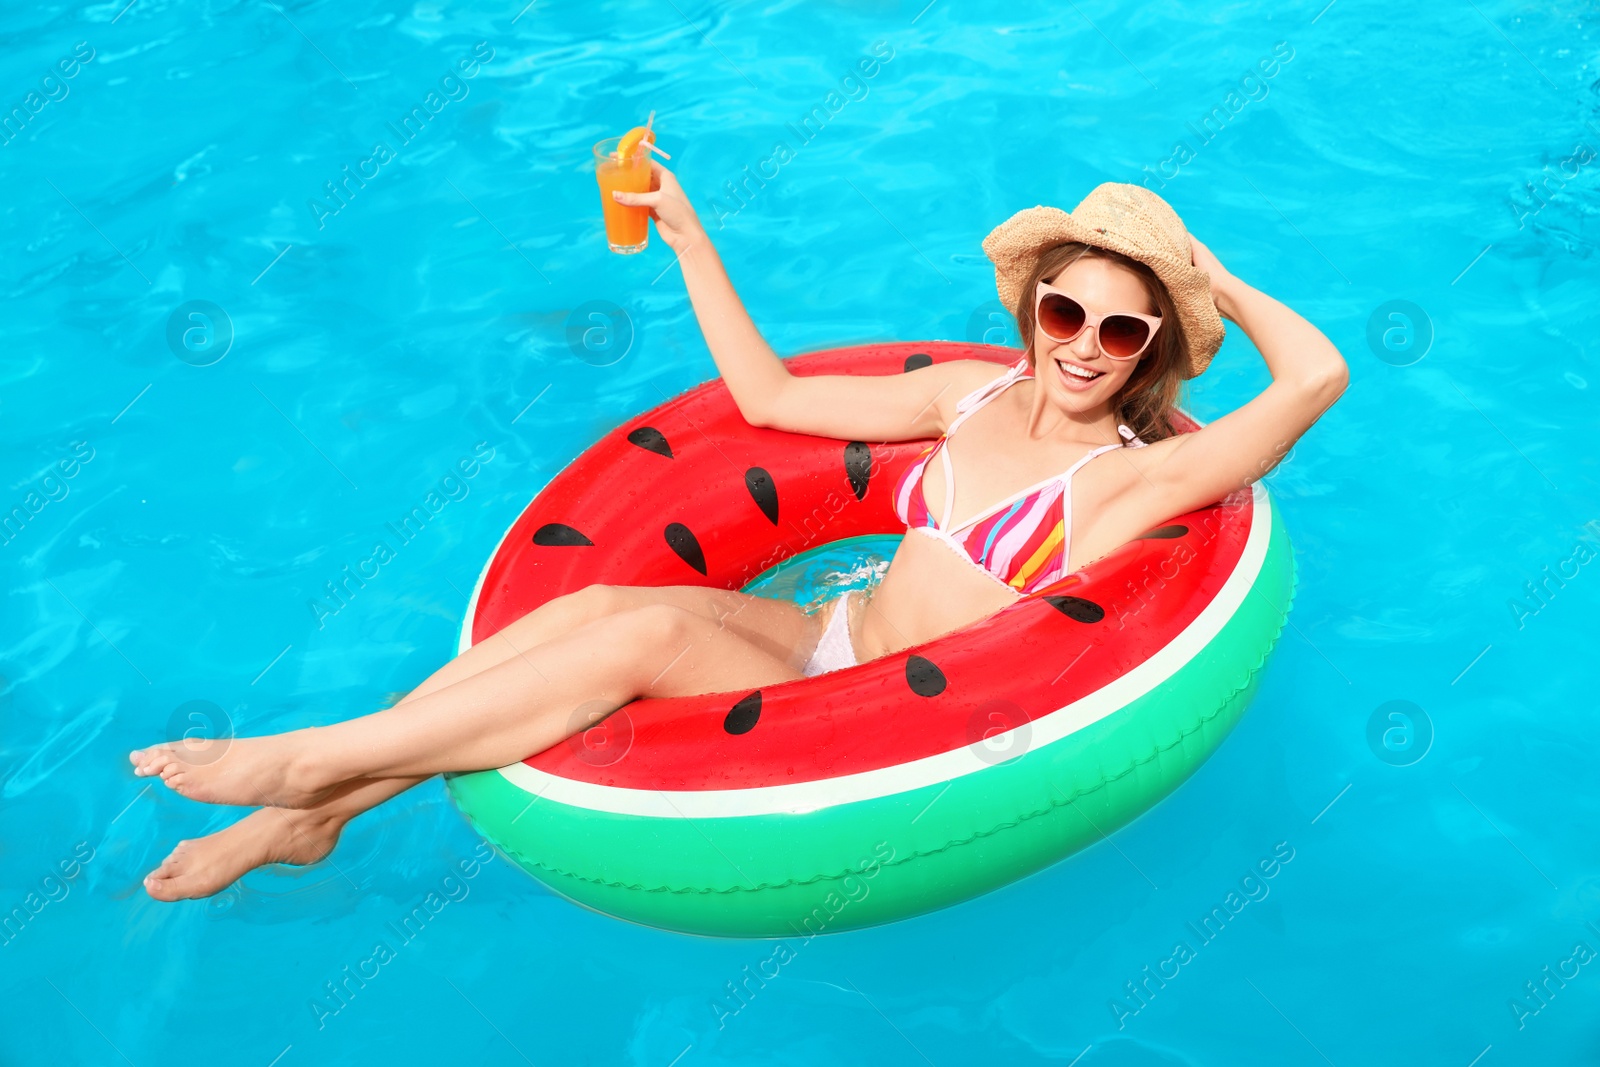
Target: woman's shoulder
[(976, 376), (978, 371), (962, 382)]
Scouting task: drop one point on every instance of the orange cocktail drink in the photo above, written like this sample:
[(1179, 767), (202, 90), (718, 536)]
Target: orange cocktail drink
[(627, 228)]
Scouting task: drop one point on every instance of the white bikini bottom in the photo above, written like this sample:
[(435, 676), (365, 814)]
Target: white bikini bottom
[(834, 651)]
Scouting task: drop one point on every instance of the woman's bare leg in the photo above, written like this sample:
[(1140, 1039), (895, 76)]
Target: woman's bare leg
[(203, 866), (776, 626), (768, 622), (492, 718), (207, 865)]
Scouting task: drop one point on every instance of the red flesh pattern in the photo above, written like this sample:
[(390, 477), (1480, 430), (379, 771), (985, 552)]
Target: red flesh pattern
[(1003, 670)]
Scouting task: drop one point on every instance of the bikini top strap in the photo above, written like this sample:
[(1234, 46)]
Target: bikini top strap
[(986, 392), (1093, 452), (1132, 438)]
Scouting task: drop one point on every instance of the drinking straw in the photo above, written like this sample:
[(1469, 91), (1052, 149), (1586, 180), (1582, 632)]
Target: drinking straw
[(650, 143)]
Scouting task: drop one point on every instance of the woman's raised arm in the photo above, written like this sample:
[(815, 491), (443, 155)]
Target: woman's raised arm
[(895, 407), (1308, 374)]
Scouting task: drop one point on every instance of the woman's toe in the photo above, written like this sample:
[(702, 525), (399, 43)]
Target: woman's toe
[(161, 888)]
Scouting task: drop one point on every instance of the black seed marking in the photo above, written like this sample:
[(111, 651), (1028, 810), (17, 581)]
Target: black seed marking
[(858, 467), (1077, 608), (918, 360), (1164, 532), (651, 440), (681, 540), (924, 678), (559, 535), (763, 491), (742, 716)]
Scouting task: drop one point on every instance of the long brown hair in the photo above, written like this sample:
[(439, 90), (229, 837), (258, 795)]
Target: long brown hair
[(1150, 394)]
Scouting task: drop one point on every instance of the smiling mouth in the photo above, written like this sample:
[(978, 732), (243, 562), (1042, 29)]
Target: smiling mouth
[(1078, 374)]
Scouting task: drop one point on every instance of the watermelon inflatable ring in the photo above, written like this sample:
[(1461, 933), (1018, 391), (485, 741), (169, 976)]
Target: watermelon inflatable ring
[(885, 790)]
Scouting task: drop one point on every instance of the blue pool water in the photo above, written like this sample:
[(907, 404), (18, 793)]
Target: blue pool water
[(815, 576), (224, 468)]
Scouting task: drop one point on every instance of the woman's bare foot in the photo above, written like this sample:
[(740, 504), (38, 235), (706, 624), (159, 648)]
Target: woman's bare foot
[(273, 771), (209, 864)]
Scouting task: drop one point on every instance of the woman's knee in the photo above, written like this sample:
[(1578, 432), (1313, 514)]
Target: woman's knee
[(651, 640), (663, 612), (591, 602), (652, 626)]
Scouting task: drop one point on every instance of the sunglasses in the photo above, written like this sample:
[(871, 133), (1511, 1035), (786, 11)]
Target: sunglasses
[(1122, 334)]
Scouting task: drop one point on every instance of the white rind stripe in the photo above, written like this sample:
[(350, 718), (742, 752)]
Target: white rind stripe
[(802, 797)]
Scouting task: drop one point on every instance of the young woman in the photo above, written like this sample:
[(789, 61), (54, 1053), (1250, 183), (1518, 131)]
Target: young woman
[(1116, 305)]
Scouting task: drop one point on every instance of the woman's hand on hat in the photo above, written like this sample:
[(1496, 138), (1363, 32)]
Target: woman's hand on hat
[(1221, 280), (676, 220)]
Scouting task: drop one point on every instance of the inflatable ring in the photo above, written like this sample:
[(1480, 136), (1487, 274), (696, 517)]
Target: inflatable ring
[(904, 784)]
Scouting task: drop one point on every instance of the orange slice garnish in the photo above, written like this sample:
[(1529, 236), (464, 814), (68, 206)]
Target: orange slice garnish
[(630, 142)]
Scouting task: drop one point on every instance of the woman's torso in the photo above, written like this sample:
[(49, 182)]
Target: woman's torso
[(929, 588)]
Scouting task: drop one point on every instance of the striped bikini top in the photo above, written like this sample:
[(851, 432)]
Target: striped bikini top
[(1022, 541)]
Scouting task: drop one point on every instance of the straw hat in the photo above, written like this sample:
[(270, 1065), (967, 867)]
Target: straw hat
[(1123, 218)]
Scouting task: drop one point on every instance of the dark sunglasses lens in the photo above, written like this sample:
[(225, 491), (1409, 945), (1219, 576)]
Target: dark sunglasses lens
[(1123, 335), (1061, 317)]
